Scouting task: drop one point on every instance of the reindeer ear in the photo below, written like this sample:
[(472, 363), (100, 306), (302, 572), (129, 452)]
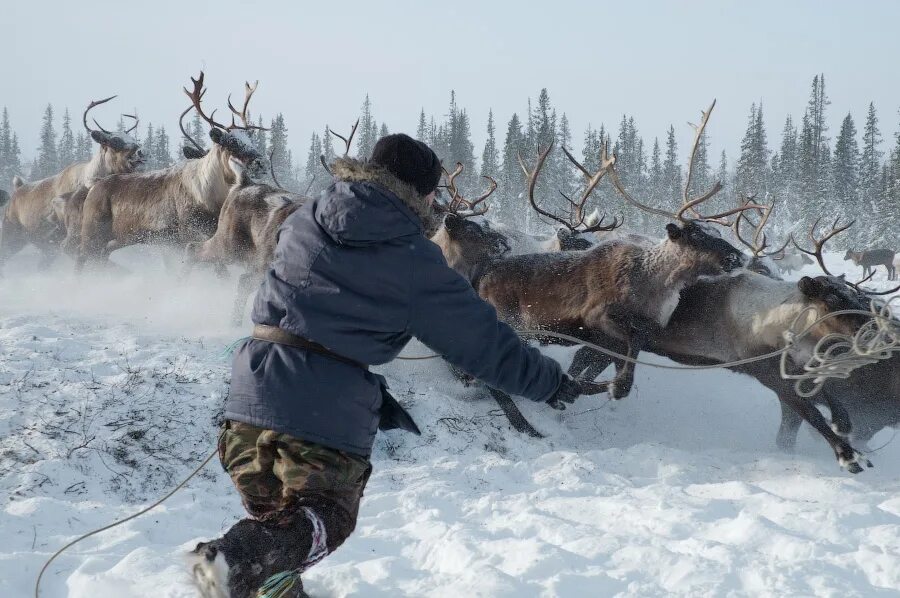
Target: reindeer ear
[(100, 137), (673, 231), (811, 287)]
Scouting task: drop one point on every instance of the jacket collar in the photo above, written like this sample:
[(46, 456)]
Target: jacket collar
[(357, 171)]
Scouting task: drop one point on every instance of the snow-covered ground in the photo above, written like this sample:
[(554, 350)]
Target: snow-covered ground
[(109, 389)]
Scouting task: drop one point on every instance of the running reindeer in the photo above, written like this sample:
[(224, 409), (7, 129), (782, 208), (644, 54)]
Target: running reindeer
[(30, 216), (175, 205), (247, 231), (751, 311), (624, 291)]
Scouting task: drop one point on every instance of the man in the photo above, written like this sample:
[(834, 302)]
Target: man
[(352, 280)]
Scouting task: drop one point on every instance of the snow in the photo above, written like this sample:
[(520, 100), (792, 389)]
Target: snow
[(109, 387)]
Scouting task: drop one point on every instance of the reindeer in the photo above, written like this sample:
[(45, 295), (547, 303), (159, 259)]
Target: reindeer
[(247, 232), (28, 217), (175, 205), (750, 312), (871, 258), (626, 292)]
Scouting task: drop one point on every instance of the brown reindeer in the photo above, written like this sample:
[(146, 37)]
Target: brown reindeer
[(627, 292), (871, 258), (733, 318), (247, 232), (28, 217), (175, 205)]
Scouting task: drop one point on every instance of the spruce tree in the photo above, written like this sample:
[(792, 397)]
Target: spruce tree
[(845, 169), (327, 147), (383, 131), (148, 148), (752, 172), (655, 178), (162, 153), (813, 154), (422, 129), (870, 165), (281, 158), (312, 178), (83, 147), (259, 139), (511, 208), (672, 179), (367, 132), (47, 161), (66, 148), (490, 157)]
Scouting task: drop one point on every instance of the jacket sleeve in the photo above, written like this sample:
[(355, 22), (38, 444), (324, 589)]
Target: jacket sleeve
[(450, 318)]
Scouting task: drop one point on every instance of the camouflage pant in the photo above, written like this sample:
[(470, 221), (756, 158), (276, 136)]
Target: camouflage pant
[(276, 474), (279, 477)]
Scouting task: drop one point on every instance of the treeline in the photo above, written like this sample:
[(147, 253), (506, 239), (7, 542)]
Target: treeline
[(857, 176)]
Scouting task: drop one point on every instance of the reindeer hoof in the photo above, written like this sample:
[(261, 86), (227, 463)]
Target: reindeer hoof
[(853, 463), (619, 390)]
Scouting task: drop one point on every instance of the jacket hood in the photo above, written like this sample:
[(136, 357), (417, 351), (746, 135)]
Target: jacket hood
[(368, 204)]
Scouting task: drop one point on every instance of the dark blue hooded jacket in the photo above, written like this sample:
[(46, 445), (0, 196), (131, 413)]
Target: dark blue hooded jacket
[(354, 272)]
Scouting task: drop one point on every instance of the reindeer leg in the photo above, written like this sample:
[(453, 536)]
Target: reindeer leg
[(847, 456), (12, 239), (588, 363), (638, 330), (840, 419), (513, 414), (790, 425)]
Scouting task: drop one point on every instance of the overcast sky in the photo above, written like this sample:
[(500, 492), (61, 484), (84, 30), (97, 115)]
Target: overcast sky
[(658, 61)]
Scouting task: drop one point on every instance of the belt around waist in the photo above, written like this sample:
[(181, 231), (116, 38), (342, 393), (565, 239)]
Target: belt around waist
[(274, 334)]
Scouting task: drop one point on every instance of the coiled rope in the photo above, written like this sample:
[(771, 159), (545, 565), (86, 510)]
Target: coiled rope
[(833, 356)]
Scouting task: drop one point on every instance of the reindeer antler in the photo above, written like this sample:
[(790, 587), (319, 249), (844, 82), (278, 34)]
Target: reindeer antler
[(348, 141), (92, 105), (272, 169), (184, 132), (249, 90), (457, 201), (578, 215), (196, 97), (687, 202), (136, 122), (760, 241), (819, 244)]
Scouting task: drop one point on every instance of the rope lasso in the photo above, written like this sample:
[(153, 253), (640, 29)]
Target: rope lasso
[(835, 355)]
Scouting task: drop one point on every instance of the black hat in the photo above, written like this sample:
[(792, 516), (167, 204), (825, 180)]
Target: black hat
[(409, 160)]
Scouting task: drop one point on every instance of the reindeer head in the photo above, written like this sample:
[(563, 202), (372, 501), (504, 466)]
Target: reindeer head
[(708, 253), (119, 152), (830, 294), (229, 141), (467, 244)]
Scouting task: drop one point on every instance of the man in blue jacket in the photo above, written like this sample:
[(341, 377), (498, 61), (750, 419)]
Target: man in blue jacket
[(353, 279)]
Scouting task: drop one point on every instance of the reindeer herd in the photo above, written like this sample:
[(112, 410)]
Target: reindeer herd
[(692, 296)]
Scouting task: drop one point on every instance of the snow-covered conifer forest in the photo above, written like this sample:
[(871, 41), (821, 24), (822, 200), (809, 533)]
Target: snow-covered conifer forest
[(118, 312)]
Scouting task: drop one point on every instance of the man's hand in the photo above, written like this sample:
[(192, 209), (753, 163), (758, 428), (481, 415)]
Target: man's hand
[(571, 389)]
